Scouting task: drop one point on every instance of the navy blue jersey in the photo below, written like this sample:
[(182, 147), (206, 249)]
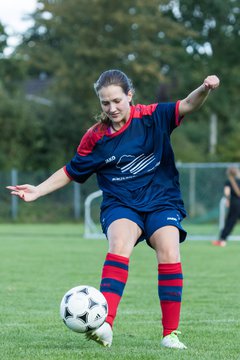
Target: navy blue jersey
[(135, 166)]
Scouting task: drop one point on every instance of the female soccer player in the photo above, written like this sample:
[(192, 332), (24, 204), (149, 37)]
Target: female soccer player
[(232, 196), (129, 149)]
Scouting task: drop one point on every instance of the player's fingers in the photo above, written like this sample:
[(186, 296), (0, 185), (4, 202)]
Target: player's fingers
[(211, 82), (18, 187), (16, 191), (22, 187), (210, 85), (21, 194), (11, 187)]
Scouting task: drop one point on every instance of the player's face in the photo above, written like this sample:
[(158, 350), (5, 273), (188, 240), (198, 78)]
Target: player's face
[(115, 104)]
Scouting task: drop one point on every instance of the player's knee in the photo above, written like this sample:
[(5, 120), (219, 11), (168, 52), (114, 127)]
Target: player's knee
[(119, 246), (168, 256)]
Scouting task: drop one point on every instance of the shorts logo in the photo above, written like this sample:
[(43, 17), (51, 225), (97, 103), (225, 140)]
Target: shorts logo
[(172, 218)]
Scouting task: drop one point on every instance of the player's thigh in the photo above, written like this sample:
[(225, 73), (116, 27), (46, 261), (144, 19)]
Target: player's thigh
[(122, 235), (165, 241)]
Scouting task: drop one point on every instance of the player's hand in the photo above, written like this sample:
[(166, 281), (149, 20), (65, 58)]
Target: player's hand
[(25, 192), (211, 82), (232, 171)]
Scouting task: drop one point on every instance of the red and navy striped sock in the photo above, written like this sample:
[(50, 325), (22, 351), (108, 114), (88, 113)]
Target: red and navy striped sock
[(170, 283), (114, 278)]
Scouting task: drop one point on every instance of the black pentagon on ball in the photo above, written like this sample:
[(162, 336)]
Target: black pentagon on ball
[(67, 297), (91, 303), (67, 313), (83, 317), (84, 291)]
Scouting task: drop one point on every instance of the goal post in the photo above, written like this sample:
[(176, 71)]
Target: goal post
[(92, 228)]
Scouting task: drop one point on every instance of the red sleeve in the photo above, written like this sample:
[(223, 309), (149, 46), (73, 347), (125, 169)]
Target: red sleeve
[(90, 139), (178, 119), (66, 172), (142, 110)]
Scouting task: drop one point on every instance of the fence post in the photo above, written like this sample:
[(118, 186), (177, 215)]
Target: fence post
[(76, 200), (222, 213), (14, 199), (213, 134)]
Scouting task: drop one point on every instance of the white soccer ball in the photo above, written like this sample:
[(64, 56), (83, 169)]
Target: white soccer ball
[(83, 308)]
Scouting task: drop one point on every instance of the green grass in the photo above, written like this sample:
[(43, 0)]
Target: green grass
[(39, 263)]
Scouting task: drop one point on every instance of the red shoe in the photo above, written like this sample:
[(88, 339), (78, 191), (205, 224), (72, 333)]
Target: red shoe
[(220, 243)]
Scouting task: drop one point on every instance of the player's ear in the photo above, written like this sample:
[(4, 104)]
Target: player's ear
[(130, 96)]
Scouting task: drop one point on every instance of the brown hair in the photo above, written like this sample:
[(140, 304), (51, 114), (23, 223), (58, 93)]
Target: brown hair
[(112, 77)]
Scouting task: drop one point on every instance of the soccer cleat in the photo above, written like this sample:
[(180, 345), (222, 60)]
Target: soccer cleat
[(171, 341), (220, 243), (103, 335)]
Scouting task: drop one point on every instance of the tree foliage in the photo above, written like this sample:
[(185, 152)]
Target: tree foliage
[(74, 43), (216, 50), (166, 47), (19, 130)]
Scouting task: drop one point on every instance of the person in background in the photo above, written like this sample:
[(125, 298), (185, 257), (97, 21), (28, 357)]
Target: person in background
[(232, 195), (130, 151)]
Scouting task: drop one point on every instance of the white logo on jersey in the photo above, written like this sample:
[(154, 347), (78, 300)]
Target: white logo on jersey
[(112, 158), (137, 164), (171, 218)]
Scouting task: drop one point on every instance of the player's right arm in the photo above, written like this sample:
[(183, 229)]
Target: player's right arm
[(30, 192), (197, 97)]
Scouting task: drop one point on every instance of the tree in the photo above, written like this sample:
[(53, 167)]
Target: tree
[(19, 130), (73, 43), (166, 47), (214, 50)]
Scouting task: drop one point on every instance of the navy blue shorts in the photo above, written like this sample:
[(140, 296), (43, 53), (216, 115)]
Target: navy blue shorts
[(149, 222)]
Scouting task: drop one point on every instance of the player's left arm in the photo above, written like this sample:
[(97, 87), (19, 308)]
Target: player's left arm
[(227, 195), (197, 97)]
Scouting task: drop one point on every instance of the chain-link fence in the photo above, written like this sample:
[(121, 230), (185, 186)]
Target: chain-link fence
[(64, 205), (201, 185), (202, 189)]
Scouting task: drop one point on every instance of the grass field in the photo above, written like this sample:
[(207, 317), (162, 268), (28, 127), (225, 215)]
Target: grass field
[(39, 263)]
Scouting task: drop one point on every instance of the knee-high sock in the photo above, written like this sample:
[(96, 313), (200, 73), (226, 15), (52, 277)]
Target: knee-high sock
[(114, 278), (170, 283)]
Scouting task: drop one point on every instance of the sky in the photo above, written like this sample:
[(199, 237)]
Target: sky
[(11, 16)]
